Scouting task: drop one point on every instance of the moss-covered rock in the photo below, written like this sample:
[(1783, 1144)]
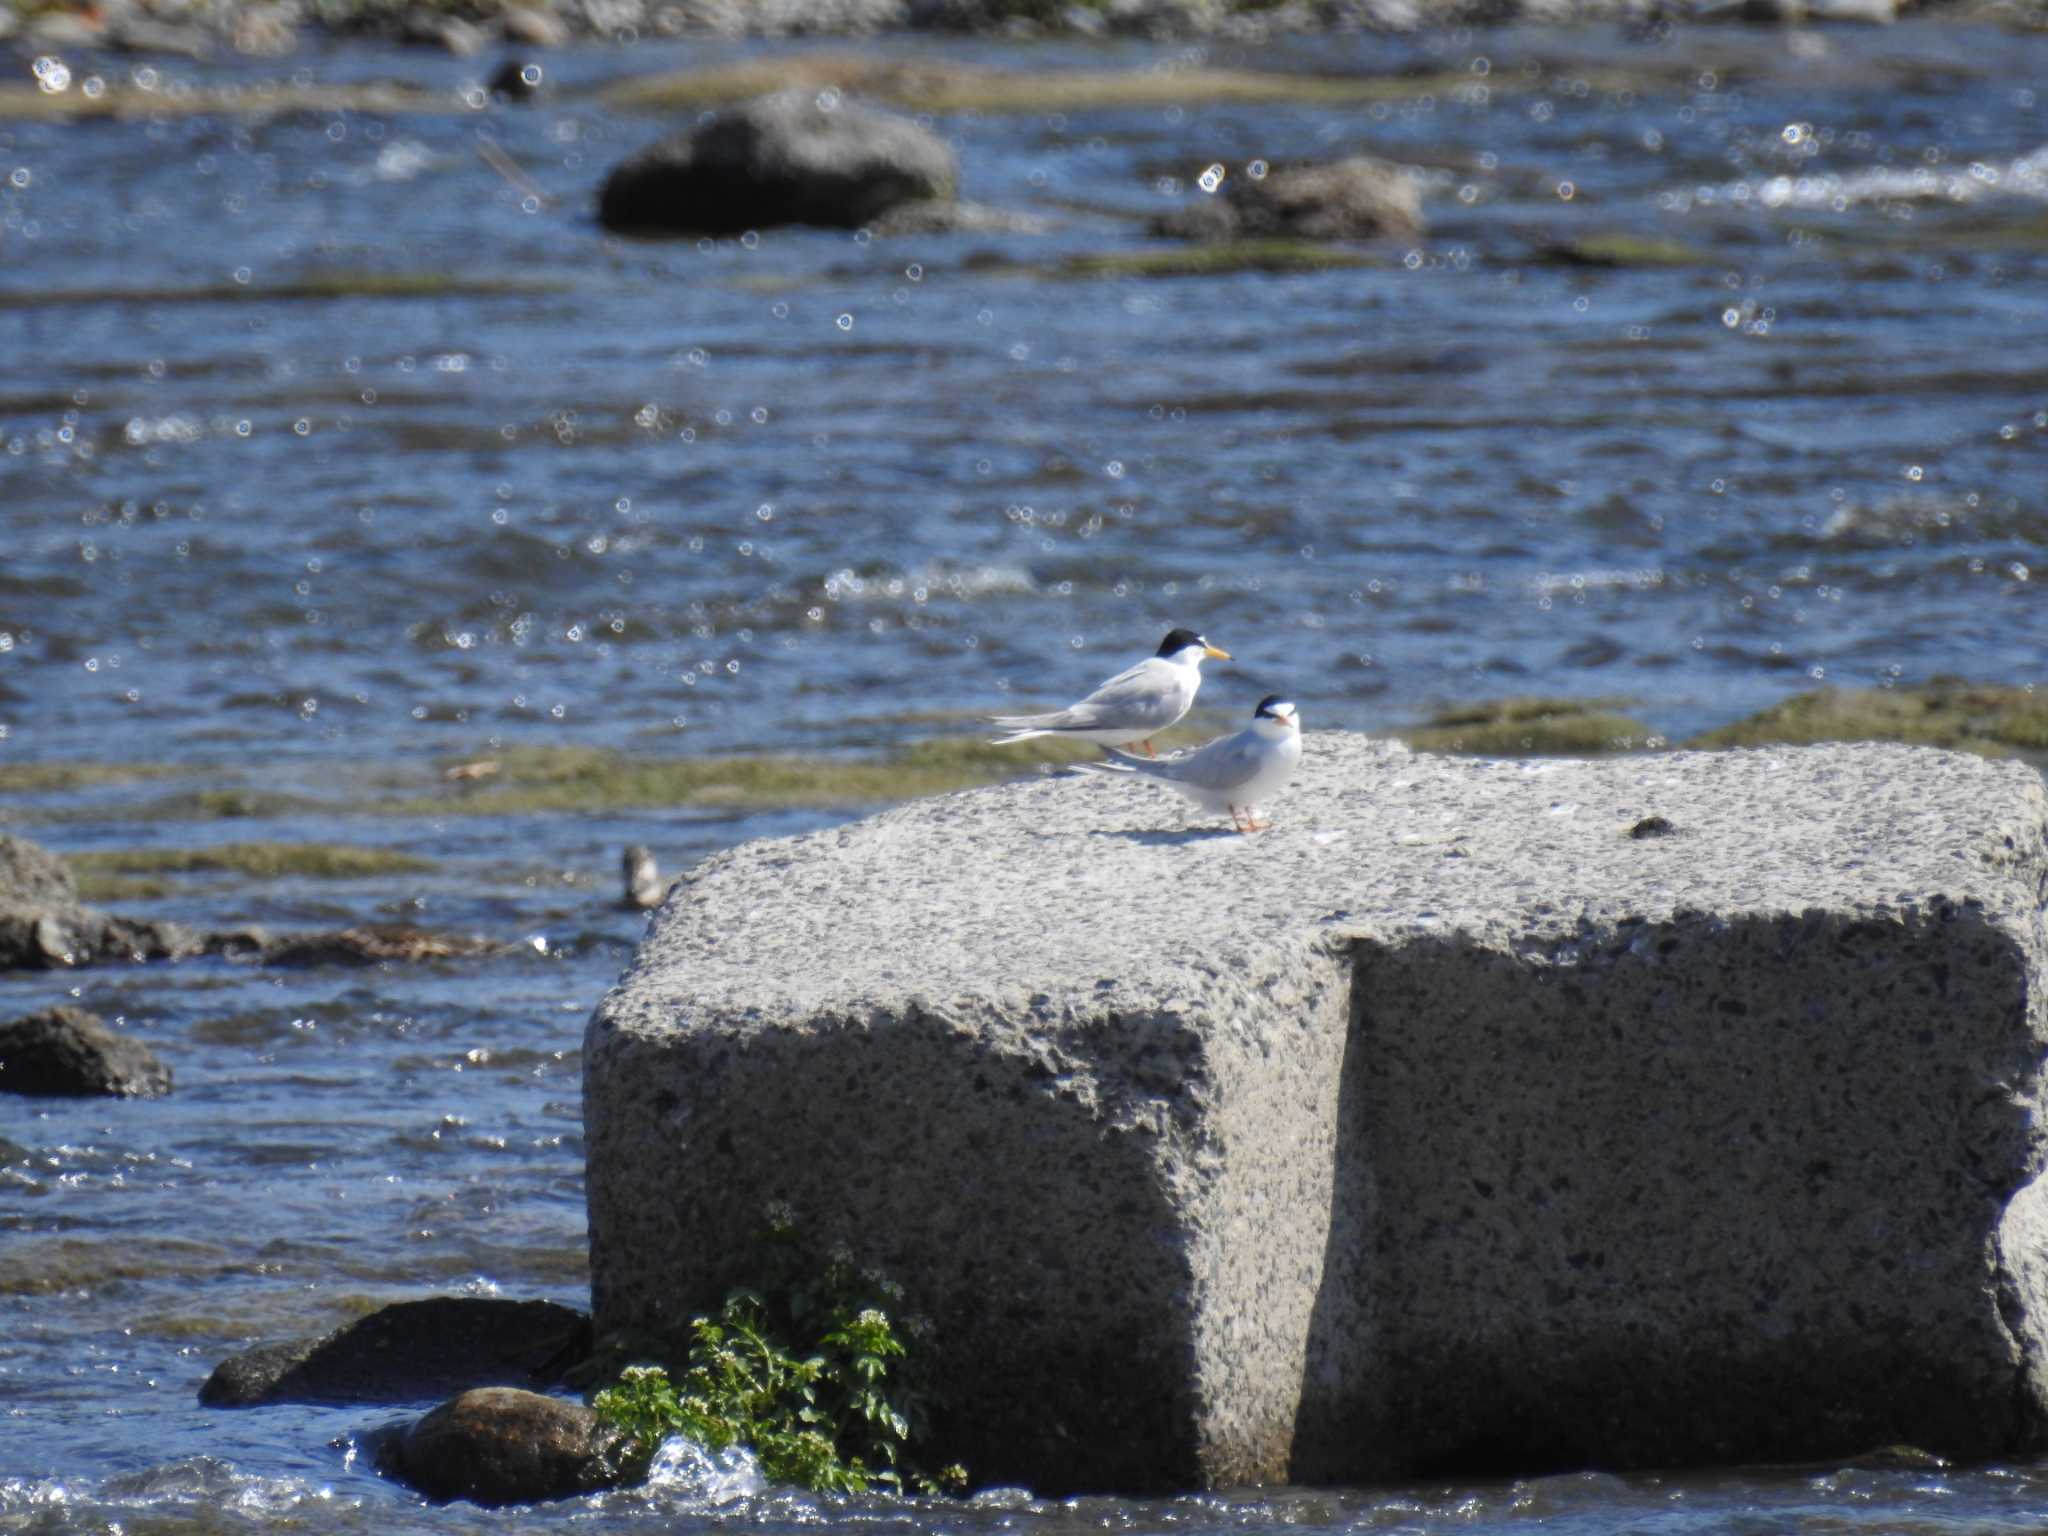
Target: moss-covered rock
[(1532, 726), (1973, 717)]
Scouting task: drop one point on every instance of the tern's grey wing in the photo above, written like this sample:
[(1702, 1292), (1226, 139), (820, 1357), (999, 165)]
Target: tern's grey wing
[(1222, 765), (1147, 697)]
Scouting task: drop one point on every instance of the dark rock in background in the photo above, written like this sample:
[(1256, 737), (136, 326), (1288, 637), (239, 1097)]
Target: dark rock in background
[(67, 1052), (1358, 198), (796, 157), (409, 1352)]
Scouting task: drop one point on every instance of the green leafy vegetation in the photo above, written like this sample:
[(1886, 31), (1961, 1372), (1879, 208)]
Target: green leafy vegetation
[(1540, 726), (809, 1372)]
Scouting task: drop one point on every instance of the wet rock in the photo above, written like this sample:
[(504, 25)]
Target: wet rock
[(796, 157), (434, 29), (409, 1352), (1359, 198), (67, 1052), (264, 32), (948, 216), (138, 34), (372, 944), (514, 80), (1878, 13), (43, 926), (533, 28), (32, 876), (63, 29), (501, 1445)]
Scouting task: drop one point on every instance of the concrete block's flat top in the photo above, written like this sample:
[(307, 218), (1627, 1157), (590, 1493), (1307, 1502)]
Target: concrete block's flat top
[(1076, 885)]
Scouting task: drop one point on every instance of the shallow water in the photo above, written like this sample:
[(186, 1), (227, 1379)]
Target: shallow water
[(819, 492)]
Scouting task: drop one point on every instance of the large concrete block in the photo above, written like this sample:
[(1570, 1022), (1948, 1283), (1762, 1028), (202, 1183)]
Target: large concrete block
[(1446, 1126)]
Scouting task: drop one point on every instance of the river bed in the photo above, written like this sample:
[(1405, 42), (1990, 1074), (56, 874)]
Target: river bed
[(332, 458)]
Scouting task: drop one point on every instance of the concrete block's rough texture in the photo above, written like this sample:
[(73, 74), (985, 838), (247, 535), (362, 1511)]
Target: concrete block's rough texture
[(1444, 1126)]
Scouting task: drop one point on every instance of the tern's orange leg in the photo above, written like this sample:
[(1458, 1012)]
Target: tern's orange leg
[(1147, 745)]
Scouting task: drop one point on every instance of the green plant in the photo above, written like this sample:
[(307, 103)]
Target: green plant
[(832, 1412)]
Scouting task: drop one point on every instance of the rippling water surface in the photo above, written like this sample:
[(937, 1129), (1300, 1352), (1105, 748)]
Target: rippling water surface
[(272, 527)]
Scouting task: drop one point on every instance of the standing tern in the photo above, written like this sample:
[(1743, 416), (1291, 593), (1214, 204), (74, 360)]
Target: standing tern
[(1133, 706), (1231, 773)]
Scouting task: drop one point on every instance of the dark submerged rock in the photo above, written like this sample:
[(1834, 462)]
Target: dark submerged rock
[(67, 1052), (501, 1445), (796, 157), (517, 80), (409, 1352), (1359, 198)]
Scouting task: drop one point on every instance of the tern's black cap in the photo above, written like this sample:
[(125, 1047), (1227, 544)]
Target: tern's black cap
[(1266, 705), (1179, 640)]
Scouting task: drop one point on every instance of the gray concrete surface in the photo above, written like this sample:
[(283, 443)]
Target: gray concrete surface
[(1445, 1126)]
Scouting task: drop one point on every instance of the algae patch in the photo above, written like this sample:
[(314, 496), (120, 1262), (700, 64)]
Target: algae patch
[(1619, 248), (255, 860), (943, 88), (115, 99), (55, 777), (539, 779), (313, 287), (1532, 727), (1985, 718)]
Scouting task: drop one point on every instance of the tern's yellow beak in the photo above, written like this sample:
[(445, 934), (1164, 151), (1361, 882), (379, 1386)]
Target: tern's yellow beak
[(1215, 652)]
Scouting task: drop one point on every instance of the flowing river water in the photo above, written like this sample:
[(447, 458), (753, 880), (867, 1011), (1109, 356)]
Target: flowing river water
[(332, 456)]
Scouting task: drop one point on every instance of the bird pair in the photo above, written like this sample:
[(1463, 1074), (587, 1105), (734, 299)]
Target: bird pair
[(1232, 773)]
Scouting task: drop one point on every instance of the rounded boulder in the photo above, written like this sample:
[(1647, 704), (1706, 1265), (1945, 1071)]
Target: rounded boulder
[(501, 1445), (796, 157)]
